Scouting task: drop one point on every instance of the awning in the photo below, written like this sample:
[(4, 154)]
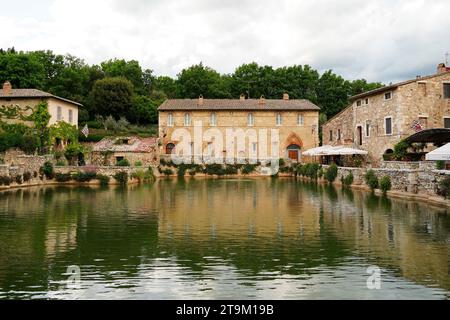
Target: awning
[(443, 153), (333, 151), (439, 136)]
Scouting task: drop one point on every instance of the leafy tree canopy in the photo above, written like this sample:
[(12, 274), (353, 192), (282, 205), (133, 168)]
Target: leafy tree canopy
[(138, 93)]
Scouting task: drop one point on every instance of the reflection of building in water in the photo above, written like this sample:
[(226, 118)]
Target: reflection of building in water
[(275, 225), (235, 208), (403, 236)]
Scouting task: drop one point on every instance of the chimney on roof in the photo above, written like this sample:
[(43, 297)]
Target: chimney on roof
[(441, 68), (286, 96), (7, 88), (262, 100), (242, 98), (200, 100)]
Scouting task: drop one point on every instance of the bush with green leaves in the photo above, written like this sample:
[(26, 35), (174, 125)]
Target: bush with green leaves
[(167, 172), (371, 179), (104, 180), (138, 164), (63, 177), (214, 170), (10, 140), (309, 170), (440, 165), (385, 184), (73, 151), (47, 170), (348, 180), (401, 150), (331, 173), (29, 144), (248, 168), (18, 179), (230, 170), (138, 175), (87, 176), (123, 163), (5, 180), (26, 176), (121, 177)]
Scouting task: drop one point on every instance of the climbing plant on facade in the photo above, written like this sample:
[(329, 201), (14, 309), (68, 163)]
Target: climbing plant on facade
[(41, 118)]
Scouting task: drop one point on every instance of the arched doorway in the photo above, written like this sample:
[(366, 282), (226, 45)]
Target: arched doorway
[(169, 148), (293, 152)]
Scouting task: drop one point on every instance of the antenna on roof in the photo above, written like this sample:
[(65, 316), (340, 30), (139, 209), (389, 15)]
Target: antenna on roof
[(446, 58)]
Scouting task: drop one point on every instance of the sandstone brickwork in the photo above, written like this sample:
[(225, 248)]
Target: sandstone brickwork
[(412, 106)]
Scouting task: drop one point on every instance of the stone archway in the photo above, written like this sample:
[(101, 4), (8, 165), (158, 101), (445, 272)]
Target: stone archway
[(293, 147), (169, 148)]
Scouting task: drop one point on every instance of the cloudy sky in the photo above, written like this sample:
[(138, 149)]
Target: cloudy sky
[(380, 40)]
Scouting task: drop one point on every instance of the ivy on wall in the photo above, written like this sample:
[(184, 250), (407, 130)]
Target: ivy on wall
[(16, 112)]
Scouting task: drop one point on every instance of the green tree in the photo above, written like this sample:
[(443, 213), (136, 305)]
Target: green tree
[(41, 118), (131, 70), (361, 86), (167, 85), (200, 80), (332, 93), (22, 70), (112, 96)]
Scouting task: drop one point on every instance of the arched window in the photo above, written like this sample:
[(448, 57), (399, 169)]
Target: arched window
[(213, 120), (279, 119), (187, 120), (170, 120), (250, 119), (169, 148)]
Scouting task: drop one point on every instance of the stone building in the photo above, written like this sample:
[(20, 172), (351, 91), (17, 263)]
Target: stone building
[(17, 103), (377, 120), (109, 151), (295, 122)]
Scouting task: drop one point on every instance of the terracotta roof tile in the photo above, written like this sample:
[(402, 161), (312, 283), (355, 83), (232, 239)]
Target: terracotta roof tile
[(230, 104), (31, 93)]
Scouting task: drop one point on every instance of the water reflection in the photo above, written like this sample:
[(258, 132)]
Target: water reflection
[(220, 238)]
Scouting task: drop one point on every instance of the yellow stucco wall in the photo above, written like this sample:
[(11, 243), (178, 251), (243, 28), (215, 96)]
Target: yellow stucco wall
[(289, 131), (53, 105)]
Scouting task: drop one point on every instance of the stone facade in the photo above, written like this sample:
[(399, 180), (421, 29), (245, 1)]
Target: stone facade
[(110, 150), (412, 106), (297, 129)]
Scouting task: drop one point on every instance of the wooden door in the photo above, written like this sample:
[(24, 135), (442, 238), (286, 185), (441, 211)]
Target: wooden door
[(293, 155)]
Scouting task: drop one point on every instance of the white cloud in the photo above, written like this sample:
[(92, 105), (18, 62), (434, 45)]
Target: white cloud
[(381, 40)]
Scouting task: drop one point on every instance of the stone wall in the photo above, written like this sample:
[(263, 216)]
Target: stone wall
[(412, 177)]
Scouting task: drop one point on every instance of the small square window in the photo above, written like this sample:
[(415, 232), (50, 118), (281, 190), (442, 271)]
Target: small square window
[(367, 101), (388, 96), (358, 103)]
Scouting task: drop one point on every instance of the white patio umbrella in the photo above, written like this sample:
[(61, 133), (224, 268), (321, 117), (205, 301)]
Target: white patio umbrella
[(319, 151), (350, 151), (440, 154), (333, 151)]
